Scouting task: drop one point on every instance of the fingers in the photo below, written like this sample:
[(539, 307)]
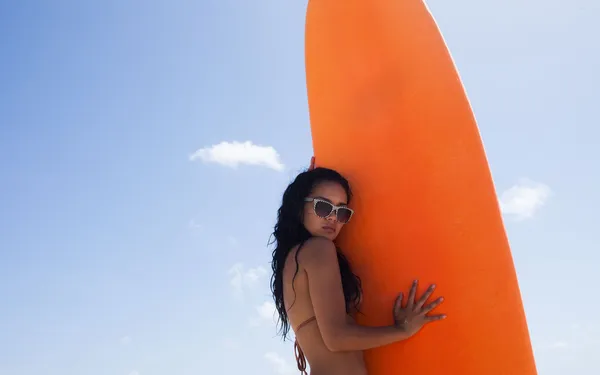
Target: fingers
[(312, 164), (424, 297), (411, 296), (433, 318), (432, 305), (399, 300), (398, 303)]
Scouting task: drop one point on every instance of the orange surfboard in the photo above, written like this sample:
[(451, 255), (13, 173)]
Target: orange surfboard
[(388, 110)]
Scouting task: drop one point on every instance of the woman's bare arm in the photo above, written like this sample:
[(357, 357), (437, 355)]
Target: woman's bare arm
[(319, 259)]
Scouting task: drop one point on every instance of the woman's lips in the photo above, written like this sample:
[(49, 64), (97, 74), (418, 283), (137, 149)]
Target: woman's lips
[(329, 229)]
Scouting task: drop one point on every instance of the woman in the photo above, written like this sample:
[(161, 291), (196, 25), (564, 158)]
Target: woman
[(314, 288)]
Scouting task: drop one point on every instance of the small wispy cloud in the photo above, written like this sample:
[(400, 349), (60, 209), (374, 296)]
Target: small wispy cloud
[(576, 341), (125, 340), (279, 364), (134, 372), (194, 225), (265, 313), (234, 154), (242, 279), (524, 199)]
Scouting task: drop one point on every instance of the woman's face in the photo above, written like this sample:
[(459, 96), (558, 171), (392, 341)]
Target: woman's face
[(326, 193)]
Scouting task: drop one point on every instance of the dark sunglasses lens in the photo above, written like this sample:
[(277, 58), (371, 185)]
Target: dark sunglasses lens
[(343, 215), (323, 209)]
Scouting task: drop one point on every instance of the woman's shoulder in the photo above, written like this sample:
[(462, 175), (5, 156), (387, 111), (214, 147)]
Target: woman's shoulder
[(316, 249)]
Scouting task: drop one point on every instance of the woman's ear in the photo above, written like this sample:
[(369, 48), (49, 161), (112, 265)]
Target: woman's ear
[(312, 164)]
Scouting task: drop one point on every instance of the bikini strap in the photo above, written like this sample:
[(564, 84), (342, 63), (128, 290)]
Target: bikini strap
[(299, 354), (300, 359), (305, 323)]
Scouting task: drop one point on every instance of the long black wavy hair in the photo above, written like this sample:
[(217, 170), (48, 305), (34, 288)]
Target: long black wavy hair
[(289, 231)]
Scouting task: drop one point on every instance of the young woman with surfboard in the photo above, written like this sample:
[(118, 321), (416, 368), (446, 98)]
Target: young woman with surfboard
[(314, 288), (388, 110)]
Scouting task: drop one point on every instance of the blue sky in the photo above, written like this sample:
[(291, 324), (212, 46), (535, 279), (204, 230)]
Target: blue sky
[(131, 245)]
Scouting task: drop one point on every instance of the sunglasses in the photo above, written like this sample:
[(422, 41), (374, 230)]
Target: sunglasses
[(324, 209)]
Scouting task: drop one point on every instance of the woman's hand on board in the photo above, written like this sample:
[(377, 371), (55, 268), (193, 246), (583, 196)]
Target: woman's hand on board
[(413, 316)]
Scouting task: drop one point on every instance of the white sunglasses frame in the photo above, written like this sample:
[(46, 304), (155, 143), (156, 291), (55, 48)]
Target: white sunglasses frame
[(334, 209)]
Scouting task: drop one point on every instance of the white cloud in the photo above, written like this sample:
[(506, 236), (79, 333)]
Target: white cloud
[(233, 154), (243, 279), (280, 365), (134, 372), (125, 340), (254, 274), (524, 199), (266, 313)]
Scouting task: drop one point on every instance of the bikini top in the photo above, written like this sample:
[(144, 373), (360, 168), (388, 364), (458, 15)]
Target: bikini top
[(300, 358)]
